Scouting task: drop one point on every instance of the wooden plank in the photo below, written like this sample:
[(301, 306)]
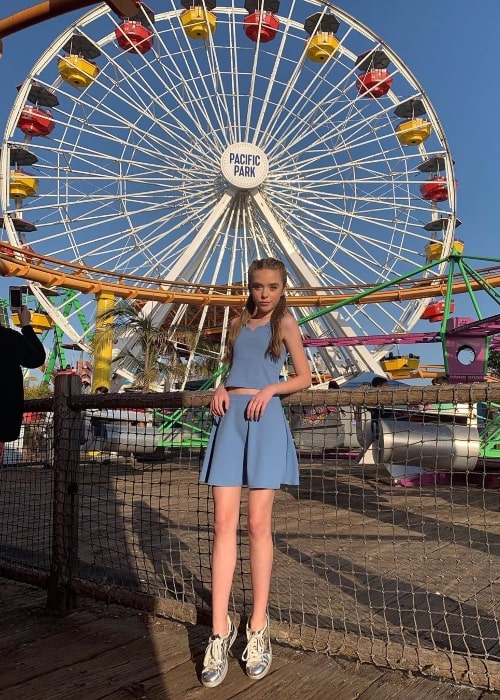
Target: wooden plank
[(308, 675), (89, 666), (355, 554), (107, 652), (409, 687)]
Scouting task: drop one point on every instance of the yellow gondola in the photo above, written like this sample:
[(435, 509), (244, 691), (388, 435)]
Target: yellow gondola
[(40, 322), (433, 250), (400, 366), (77, 71), (413, 132), (198, 23), (321, 47), (22, 185)]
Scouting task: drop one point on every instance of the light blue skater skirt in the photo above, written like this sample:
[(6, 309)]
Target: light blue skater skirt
[(258, 454)]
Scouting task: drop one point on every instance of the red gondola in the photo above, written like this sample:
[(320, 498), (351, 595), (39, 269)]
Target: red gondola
[(435, 189), (434, 313), (134, 37), (262, 30), (374, 83), (35, 121)]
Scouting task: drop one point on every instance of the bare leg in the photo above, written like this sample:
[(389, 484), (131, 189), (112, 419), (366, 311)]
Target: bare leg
[(227, 515), (260, 509)]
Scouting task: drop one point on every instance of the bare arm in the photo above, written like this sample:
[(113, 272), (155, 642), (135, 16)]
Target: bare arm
[(220, 400), (293, 343)]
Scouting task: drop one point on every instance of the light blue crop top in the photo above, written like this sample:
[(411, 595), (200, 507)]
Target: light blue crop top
[(251, 367)]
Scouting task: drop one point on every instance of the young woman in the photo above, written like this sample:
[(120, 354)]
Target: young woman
[(251, 445)]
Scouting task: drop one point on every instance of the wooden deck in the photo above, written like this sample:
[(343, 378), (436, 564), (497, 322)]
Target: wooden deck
[(406, 578), (113, 653)]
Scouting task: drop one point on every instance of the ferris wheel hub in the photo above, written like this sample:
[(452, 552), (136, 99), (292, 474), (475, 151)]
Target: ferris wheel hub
[(244, 165)]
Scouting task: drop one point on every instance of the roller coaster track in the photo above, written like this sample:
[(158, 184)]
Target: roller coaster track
[(50, 272), (53, 8)]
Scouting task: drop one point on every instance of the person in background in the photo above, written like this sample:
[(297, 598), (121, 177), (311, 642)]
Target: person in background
[(442, 379), (377, 412), (332, 384), (17, 349), (251, 445)]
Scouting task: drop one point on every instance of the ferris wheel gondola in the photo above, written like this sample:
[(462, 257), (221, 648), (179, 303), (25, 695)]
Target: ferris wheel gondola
[(219, 144)]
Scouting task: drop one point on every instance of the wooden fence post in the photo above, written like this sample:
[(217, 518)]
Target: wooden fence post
[(67, 429)]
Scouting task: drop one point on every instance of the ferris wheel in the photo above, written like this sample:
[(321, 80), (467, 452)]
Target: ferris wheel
[(181, 144)]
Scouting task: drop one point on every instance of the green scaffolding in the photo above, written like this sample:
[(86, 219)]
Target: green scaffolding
[(70, 304)]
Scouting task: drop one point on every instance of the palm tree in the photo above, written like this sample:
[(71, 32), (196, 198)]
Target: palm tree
[(155, 356), (38, 391)]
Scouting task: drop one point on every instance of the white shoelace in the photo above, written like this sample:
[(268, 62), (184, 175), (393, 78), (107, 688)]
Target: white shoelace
[(255, 648), (213, 655)]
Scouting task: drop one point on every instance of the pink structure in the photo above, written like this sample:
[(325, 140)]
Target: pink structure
[(466, 347)]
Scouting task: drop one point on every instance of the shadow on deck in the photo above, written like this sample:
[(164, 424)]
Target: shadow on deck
[(111, 652)]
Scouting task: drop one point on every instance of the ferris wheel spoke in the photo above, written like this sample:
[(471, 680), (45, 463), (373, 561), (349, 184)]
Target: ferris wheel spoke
[(362, 247), (181, 84), (227, 105), (148, 105), (341, 130), (271, 112), (160, 147), (384, 211), (187, 264)]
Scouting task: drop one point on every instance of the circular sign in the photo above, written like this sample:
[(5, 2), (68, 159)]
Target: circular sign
[(244, 165)]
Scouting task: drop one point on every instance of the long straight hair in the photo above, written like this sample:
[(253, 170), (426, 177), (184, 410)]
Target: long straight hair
[(275, 346)]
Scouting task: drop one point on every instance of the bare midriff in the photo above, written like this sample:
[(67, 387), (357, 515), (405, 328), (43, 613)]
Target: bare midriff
[(241, 390)]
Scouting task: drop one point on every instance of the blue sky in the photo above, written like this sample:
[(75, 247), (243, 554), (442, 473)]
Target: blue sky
[(450, 46)]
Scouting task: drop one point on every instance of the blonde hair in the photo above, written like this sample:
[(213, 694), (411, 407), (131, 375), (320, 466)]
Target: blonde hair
[(275, 346)]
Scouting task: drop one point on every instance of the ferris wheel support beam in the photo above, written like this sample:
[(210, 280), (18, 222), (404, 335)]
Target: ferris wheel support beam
[(58, 317), (364, 359), (184, 267), (187, 262)]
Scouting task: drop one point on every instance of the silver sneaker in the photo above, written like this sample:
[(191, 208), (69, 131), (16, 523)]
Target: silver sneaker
[(258, 653), (215, 662)]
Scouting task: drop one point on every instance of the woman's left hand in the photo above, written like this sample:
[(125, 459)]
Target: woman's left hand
[(257, 404)]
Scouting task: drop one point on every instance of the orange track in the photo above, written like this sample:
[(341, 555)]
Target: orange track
[(54, 8), (50, 272)]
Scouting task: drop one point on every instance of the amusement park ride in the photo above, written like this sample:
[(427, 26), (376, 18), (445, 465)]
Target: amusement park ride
[(149, 155), (465, 341)]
